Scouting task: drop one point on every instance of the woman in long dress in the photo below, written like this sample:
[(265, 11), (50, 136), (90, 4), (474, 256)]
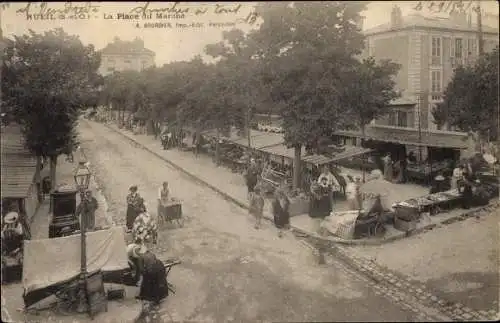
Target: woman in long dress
[(281, 214), (134, 202), (146, 228)]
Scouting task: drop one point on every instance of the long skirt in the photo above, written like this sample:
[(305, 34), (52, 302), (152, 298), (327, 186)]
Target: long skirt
[(154, 285), (131, 215), (281, 219)]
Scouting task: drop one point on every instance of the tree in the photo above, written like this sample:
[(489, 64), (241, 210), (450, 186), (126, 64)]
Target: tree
[(471, 98), (305, 49), (369, 92), (48, 78), (239, 88)]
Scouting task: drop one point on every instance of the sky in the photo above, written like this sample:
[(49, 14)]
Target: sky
[(175, 43)]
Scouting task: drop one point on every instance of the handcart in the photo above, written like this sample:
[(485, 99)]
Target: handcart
[(170, 212)]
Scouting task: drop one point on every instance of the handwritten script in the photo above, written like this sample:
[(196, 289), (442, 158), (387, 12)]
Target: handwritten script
[(69, 8), (444, 6), (177, 8)]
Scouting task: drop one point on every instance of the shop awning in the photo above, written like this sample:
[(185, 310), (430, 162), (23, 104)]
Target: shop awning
[(410, 136), (350, 151)]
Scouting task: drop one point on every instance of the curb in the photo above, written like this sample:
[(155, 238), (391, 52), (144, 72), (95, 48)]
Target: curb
[(295, 229)]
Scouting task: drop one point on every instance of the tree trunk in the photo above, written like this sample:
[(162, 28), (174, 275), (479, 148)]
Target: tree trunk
[(363, 164), (53, 166), (217, 149), (38, 179), (297, 166)]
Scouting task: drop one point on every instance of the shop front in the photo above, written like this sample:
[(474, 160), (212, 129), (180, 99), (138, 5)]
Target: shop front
[(430, 152)]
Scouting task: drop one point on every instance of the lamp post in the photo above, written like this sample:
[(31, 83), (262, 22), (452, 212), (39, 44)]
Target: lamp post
[(82, 180)]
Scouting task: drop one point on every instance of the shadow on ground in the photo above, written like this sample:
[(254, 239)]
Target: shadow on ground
[(473, 289)]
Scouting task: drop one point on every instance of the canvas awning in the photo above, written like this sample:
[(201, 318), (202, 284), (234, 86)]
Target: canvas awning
[(317, 160), (410, 136)]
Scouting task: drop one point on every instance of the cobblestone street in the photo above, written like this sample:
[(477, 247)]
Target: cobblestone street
[(231, 271)]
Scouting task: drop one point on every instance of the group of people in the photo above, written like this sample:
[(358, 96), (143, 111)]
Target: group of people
[(395, 171), (12, 235), (149, 271)]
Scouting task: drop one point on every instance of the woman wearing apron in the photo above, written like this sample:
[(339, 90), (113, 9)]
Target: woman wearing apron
[(163, 196)]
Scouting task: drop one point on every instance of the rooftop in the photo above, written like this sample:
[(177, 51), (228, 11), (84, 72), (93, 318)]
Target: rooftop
[(17, 164), (120, 47), (419, 21)]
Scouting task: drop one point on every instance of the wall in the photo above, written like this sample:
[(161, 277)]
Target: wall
[(120, 64), (394, 48)]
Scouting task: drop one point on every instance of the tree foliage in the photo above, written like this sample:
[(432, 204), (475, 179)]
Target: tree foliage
[(47, 79), (471, 98)]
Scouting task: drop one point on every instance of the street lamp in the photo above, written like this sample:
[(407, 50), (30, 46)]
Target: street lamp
[(82, 180)]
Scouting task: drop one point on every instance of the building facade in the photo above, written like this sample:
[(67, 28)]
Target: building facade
[(123, 55), (428, 50)]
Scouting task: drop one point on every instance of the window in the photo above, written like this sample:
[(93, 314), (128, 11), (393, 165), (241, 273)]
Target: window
[(458, 48), (392, 118), (402, 119), (472, 46), (436, 51), (436, 82)]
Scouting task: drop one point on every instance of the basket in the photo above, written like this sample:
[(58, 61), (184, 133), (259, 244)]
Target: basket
[(406, 213), (341, 224)]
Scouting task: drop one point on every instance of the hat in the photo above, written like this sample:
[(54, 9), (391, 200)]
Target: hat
[(133, 188), (139, 251), (11, 217), (439, 178)]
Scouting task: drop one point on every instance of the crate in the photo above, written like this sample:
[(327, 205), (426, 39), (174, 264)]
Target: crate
[(404, 225), (407, 213)]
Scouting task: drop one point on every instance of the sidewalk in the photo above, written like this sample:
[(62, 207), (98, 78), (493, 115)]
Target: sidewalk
[(40, 221), (12, 301), (458, 262)]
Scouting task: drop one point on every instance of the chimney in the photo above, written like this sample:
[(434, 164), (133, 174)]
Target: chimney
[(360, 22), (396, 17)]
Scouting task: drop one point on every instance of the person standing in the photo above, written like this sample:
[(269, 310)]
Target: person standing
[(354, 194), (329, 183), (256, 206), (251, 176), (388, 168), (163, 199), (88, 215), (146, 228), (281, 215), (134, 203), (153, 286), (456, 177), (315, 206)]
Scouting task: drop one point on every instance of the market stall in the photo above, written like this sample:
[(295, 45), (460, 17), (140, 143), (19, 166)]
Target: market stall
[(426, 172)]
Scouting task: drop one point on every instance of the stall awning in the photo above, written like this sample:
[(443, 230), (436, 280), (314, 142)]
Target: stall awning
[(281, 150), (318, 160), (17, 179)]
